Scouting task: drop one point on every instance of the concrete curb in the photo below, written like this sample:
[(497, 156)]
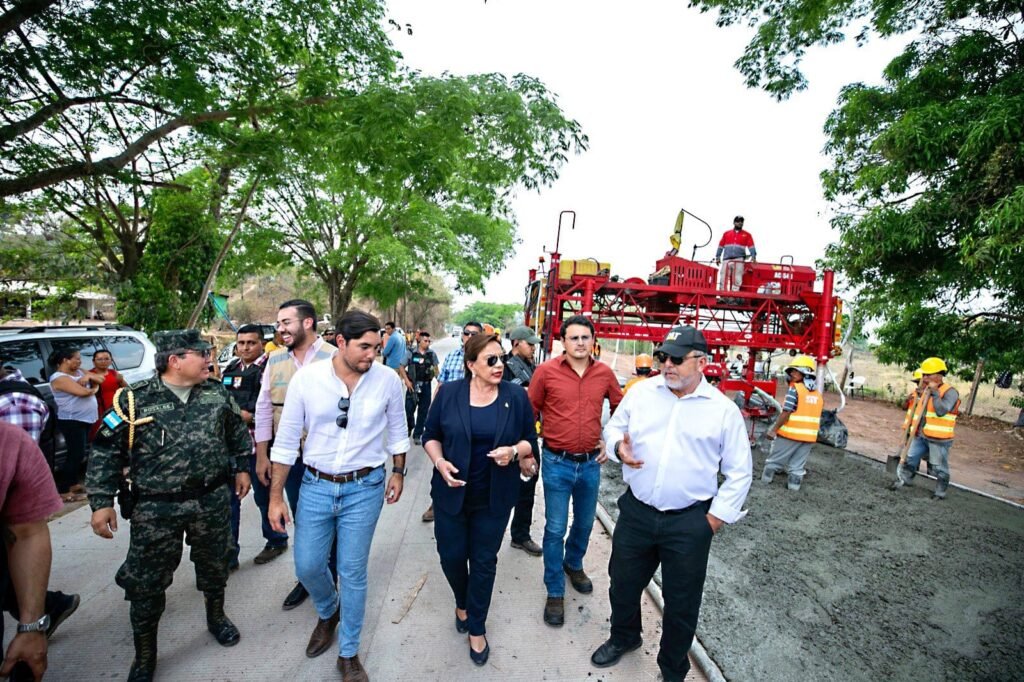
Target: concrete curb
[(700, 654)]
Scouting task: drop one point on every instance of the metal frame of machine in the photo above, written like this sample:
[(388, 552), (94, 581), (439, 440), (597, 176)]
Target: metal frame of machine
[(776, 307)]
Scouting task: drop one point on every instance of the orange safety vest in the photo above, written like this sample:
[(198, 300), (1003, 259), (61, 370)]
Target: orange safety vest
[(802, 425), (936, 427)]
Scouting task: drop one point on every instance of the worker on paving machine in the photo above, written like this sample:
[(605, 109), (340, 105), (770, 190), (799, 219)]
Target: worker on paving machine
[(797, 425), (934, 433), (644, 365), (732, 253)]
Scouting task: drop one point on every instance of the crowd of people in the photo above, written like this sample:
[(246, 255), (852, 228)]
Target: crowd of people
[(311, 427)]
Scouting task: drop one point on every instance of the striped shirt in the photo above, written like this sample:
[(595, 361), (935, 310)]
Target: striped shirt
[(23, 409)]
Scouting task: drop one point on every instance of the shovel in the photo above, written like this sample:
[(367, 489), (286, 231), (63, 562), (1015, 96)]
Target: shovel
[(894, 461)]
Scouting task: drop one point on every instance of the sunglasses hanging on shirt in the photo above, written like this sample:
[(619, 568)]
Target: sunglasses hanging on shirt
[(342, 420)]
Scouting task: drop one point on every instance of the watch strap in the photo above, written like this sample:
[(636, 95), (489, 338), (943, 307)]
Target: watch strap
[(40, 625), (404, 470)]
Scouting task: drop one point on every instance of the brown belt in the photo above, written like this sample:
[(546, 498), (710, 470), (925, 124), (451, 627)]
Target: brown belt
[(343, 478)]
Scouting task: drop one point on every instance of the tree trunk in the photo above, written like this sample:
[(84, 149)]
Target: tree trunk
[(212, 277), (974, 386)]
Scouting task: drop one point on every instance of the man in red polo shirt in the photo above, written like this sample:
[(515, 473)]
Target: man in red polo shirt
[(568, 394)]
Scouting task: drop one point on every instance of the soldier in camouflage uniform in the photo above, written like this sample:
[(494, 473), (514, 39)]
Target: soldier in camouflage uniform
[(189, 440)]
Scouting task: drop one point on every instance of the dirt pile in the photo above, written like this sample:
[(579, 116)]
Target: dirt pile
[(848, 580)]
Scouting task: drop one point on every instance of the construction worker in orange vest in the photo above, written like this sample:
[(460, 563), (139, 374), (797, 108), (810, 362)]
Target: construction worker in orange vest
[(934, 433), (644, 365), (797, 425)]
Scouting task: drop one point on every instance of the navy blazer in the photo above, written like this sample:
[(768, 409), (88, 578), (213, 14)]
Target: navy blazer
[(448, 421)]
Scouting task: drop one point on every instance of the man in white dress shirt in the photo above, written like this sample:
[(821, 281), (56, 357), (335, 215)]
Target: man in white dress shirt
[(673, 434), (344, 406)]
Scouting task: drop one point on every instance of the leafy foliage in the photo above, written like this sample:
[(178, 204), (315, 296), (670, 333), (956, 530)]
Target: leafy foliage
[(928, 166), (413, 177), (183, 244), (502, 315)]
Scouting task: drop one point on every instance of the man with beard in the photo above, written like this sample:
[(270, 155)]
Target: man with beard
[(346, 406), (296, 324), (673, 434)]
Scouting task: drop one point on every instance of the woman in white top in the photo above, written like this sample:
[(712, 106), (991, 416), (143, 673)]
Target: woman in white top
[(74, 391)]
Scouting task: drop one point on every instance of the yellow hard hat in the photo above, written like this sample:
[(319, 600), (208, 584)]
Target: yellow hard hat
[(803, 364), (933, 366), (917, 374), (644, 360)]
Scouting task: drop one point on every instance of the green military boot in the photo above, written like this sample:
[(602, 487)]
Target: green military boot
[(217, 623), (144, 664)]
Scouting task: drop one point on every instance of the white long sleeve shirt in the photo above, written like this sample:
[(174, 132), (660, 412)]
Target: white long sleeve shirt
[(376, 409), (683, 443)]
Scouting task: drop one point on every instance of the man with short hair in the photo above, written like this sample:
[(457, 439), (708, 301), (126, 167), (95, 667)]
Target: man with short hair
[(453, 369), (732, 253), (242, 378), (296, 324), (394, 349), (519, 368), (568, 394), (673, 434), (27, 496), (347, 406), (417, 371), (796, 426), (182, 438), (329, 336)]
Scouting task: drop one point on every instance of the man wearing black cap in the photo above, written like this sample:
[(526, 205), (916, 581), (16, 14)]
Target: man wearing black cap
[(731, 254), (183, 439), (519, 370), (673, 434)]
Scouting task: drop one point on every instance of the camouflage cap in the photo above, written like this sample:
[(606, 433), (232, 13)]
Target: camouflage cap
[(179, 340)]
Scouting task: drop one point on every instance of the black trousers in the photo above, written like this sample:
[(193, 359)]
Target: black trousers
[(645, 537), (416, 407), (523, 515), (76, 435), (468, 544)]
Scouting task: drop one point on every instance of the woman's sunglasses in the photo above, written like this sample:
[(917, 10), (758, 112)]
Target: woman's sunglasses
[(492, 360)]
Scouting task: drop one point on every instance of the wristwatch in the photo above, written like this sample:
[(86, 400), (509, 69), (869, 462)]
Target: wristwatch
[(403, 470), (41, 625), (616, 448)]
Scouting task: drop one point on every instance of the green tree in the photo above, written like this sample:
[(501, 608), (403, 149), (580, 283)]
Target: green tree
[(501, 315), (927, 175), (99, 89), (413, 178), (183, 245)]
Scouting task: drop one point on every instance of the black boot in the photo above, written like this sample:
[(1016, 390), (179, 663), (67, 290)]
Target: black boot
[(217, 623), (144, 664)]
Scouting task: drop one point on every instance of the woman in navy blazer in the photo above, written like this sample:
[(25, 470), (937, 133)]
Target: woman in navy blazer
[(479, 435)]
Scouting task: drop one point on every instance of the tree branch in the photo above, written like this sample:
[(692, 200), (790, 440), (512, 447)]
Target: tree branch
[(22, 12), (111, 164)]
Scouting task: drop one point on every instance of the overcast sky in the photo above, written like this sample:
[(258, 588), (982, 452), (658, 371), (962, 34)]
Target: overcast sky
[(670, 124)]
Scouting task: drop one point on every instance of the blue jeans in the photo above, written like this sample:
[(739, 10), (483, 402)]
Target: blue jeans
[(261, 496), (563, 480), (348, 512)]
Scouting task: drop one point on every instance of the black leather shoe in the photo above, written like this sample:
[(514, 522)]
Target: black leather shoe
[(480, 657), (554, 611), (609, 653), (65, 606), (269, 553), (295, 597), (528, 546), (219, 625), (461, 626), (580, 580)]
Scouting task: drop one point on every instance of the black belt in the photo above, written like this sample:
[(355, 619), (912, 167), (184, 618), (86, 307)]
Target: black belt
[(575, 456), (343, 478), (188, 493), (702, 503)]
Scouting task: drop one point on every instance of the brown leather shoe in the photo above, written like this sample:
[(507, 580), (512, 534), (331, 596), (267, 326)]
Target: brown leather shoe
[(352, 670), (428, 516), (323, 635), (554, 611)]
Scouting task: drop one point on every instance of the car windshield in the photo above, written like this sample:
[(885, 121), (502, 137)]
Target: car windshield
[(127, 351)]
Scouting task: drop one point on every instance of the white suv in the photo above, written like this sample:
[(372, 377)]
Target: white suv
[(28, 348)]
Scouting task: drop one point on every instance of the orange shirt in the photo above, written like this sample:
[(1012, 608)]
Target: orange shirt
[(570, 405)]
